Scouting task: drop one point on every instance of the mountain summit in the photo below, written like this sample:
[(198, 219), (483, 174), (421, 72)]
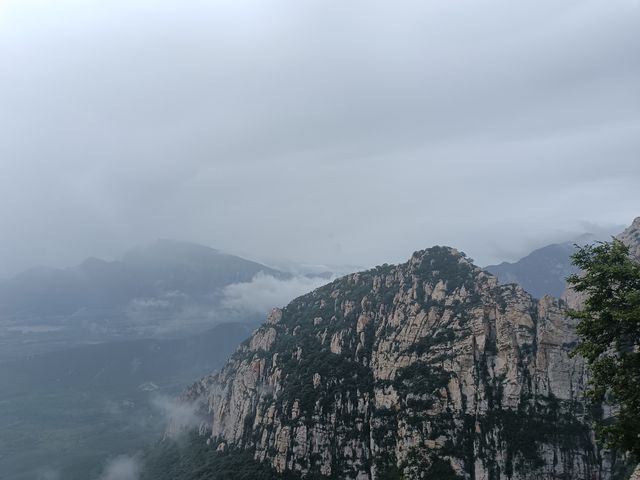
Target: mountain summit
[(156, 282), (542, 272), (428, 369)]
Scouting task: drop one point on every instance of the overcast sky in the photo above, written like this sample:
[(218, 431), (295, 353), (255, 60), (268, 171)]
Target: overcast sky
[(329, 131)]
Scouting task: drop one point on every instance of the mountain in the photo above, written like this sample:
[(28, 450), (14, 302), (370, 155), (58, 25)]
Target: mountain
[(166, 269), (84, 350), (167, 289), (428, 369), (542, 272)]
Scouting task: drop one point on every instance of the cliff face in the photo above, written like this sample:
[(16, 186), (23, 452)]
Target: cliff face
[(631, 238), (428, 369)]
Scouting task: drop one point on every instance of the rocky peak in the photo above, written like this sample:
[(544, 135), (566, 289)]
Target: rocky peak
[(631, 238), (428, 369)]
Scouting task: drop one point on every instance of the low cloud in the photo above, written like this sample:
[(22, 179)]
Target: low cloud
[(371, 129), (165, 318), (123, 467), (168, 314), (264, 292), (179, 415)]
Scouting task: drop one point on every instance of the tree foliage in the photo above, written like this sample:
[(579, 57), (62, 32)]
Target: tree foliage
[(609, 329), (191, 458)]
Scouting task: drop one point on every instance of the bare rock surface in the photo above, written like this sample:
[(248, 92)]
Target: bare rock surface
[(416, 368)]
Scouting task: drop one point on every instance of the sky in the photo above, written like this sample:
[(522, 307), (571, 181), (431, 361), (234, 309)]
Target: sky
[(324, 132)]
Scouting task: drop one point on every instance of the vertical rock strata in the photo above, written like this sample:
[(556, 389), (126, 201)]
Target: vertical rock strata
[(428, 369)]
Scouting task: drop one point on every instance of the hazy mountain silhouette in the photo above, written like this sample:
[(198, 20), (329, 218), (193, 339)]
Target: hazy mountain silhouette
[(544, 270), (169, 270)]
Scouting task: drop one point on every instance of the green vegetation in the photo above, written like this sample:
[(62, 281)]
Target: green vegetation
[(193, 459), (391, 473), (441, 264), (420, 378), (441, 470), (339, 376), (330, 314), (543, 422), (610, 336), (441, 338)]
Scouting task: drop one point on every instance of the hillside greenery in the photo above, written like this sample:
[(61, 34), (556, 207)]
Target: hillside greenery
[(191, 458), (609, 328)]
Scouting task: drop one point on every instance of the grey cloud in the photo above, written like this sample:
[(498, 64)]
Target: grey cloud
[(265, 292), (179, 416), (322, 131)]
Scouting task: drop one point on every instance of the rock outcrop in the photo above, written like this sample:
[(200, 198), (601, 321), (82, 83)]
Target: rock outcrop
[(428, 369), (631, 238)]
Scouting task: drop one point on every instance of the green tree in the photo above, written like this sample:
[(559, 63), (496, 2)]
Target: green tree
[(609, 329)]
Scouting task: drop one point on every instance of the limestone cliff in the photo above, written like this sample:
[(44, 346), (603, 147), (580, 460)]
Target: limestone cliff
[(428, 369), (631, 238)]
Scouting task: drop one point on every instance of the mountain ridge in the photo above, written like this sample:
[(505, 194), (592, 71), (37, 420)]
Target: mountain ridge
[(160, 268), (541, 272), (544, 270), (423, 366)]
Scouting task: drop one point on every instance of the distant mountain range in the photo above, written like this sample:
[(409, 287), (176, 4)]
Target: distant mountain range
[(169, 278), (543, 271), (170, 271), (172, 288), (430, 369), (84, 350), (167, 289), (72, 388)]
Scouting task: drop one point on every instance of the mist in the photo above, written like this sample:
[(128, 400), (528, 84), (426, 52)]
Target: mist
[(179, 416), (171, 171), (319, 132), (264, 292), (122, 467)]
